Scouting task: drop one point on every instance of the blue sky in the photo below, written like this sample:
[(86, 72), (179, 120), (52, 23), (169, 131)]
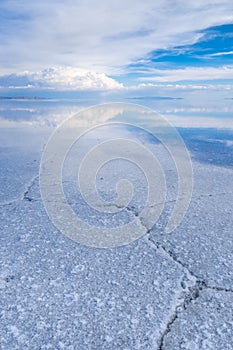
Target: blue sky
[(213, 49), (113, 45)]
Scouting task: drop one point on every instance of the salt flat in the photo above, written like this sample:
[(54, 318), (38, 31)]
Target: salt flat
[(163, 291)]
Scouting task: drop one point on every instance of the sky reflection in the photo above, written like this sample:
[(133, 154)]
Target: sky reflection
[(207, 131)]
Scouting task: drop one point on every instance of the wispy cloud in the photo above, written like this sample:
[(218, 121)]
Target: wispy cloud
[(221, 54), (190, 74), (212, 49), (103, 36), (183, 86)]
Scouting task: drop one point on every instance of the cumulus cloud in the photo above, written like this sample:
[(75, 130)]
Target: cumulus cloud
[(102, 36), (61, 78)]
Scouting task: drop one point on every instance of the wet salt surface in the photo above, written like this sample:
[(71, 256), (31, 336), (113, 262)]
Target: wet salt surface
[(160, 292)]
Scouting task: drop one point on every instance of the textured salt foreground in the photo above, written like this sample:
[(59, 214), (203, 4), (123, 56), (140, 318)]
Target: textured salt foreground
[(160, 292)]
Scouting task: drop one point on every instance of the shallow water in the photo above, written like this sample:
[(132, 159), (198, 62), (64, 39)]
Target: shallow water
[(207, 131)]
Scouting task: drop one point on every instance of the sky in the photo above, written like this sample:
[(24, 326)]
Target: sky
[(90, 45)]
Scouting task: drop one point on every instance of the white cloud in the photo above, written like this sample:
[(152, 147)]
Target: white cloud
[(99, 35), (174, 87), (190, 73), (221, 54), (161, 83), (200, 122), (61, 78)]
